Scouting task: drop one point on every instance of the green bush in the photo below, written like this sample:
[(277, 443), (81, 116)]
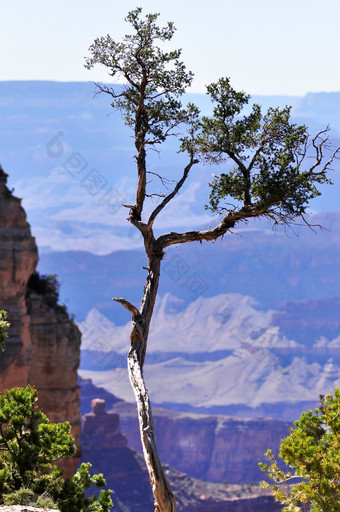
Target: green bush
[(45, 502), (21, 497), (29, 446), (312, 451), (27, 497), (46, 285)]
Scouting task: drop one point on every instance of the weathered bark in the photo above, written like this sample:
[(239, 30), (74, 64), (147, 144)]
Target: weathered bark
[(164, 498), (141, 318)]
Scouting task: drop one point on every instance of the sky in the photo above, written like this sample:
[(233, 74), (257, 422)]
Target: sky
[(266, 47)]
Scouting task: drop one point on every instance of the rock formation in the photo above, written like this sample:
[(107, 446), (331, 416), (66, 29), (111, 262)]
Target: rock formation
[(89, 392), (106, 448), (43, 347)]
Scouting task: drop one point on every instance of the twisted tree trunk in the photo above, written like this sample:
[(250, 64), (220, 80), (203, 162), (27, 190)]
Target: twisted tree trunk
[(164, 498)]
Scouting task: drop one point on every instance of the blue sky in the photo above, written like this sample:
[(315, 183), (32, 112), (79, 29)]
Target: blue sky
[(265, 46)]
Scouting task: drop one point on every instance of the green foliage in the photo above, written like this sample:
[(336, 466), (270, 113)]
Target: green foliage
[(4, 325), (47, 286), (154, 78), (45, 501), (71, 497), (21, 497), (266, 151), (312, 450), (27, 497), (29, 444)]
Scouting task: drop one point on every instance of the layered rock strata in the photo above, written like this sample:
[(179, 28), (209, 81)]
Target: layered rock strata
[(43, 347), (210, 448)]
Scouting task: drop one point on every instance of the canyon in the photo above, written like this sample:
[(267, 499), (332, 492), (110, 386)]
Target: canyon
[(283, 353), (253, 362), (210, 460), (209, 448), (43, 349)]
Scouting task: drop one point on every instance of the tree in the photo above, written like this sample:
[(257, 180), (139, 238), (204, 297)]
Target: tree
[(270, 175), (29, 446), (312, 450)]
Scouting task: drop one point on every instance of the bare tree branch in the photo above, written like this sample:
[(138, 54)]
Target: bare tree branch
[(164, 181), (154, 194), (319, 153), (130, 307), (177, 188)]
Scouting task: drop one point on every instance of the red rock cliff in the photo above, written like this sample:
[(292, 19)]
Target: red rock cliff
[(43, 347), (18, 259)]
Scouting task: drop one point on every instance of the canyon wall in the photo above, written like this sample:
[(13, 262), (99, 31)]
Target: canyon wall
[(255, 504), (106, 448), (43, 347), (309, 321), (211, 448)]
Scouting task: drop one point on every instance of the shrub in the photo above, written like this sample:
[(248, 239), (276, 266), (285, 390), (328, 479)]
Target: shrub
[(312, 451), (29, 446)]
